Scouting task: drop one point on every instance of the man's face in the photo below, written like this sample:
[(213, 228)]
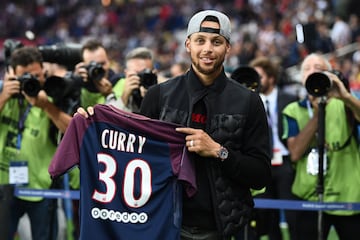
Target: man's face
[(34, 69), (99, 56), (266, 82), (207, 50), (135, 66), (312, 64), (176, 70)]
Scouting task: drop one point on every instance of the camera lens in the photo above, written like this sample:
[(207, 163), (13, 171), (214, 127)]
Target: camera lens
[(95, 71), (318, 84), (30, 84), (248, 77), (147, 78)]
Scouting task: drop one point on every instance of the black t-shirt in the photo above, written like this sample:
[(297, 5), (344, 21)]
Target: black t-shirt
[(198, 210)]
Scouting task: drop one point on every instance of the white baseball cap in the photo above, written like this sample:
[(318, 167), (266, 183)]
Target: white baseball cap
[(194, 25)]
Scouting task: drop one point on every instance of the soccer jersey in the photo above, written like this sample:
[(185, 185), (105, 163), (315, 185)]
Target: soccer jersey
[(132, 172)]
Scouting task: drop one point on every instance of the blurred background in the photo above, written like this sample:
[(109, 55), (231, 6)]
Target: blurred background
[(284, 30)]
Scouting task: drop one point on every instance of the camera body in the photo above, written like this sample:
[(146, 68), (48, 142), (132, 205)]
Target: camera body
[(29, 84), (147, 78), (95, 71)]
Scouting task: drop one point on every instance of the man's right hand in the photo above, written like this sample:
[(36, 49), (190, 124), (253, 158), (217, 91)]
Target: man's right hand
[(85, 113), (10, 88), (81, 71), (10, 85), (132, 82)]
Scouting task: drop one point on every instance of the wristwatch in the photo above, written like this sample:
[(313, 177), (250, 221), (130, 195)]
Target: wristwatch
[(223, 153)]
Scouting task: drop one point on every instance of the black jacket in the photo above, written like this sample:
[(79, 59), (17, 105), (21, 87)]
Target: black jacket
[(237, 120)]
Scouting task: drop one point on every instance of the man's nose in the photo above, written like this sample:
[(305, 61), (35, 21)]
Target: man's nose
[(208, 46)]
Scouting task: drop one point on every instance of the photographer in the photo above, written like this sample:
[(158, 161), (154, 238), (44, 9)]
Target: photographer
[(26, 148), (139, 76), (99, 79), (341, 158)]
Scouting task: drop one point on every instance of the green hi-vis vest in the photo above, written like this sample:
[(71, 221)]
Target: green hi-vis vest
[(90, 99), (342, 178), (36, 148)]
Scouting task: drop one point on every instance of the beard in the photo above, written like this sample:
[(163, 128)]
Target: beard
[(264, 88), (208, 71)]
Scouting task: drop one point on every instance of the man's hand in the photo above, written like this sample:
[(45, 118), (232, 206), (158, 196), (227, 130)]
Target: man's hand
[(132, 82), (81, 71), (85, 113), (198, 141), (338, 89), (10, 85), (40, 101), (10, 88)]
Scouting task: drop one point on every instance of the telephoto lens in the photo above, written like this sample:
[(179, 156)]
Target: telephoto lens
[(318, 84)]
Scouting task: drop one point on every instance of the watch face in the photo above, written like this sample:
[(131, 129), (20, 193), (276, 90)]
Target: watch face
[(223, 153)]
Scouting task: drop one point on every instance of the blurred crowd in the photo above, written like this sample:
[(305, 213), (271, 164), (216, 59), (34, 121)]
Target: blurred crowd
[(284, 30)]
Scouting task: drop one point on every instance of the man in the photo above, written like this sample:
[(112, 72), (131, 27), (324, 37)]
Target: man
[(226, 129), (26, 117), (99, 81), (226, 132), (95, 71), (341, 158), (275, 99), (139, 75)]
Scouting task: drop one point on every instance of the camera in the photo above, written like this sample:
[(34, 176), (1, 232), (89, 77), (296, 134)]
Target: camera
[(95, 71), (319, 84), (147, 78), (248, 77), (10, 46), (29, 84), (67, 55), (59, 88)]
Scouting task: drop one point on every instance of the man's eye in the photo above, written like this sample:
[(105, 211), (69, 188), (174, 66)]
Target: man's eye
[(217, 42), (199, 40), (306, 68)]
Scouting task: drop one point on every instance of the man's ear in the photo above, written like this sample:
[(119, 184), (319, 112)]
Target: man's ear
[(187, 43), (228, 47)]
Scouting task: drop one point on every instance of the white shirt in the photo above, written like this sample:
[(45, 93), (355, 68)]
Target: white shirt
[(273, 123)]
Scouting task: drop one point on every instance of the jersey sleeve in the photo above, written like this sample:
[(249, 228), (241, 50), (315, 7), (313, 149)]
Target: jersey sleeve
[(67, 153), (183, 167)]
